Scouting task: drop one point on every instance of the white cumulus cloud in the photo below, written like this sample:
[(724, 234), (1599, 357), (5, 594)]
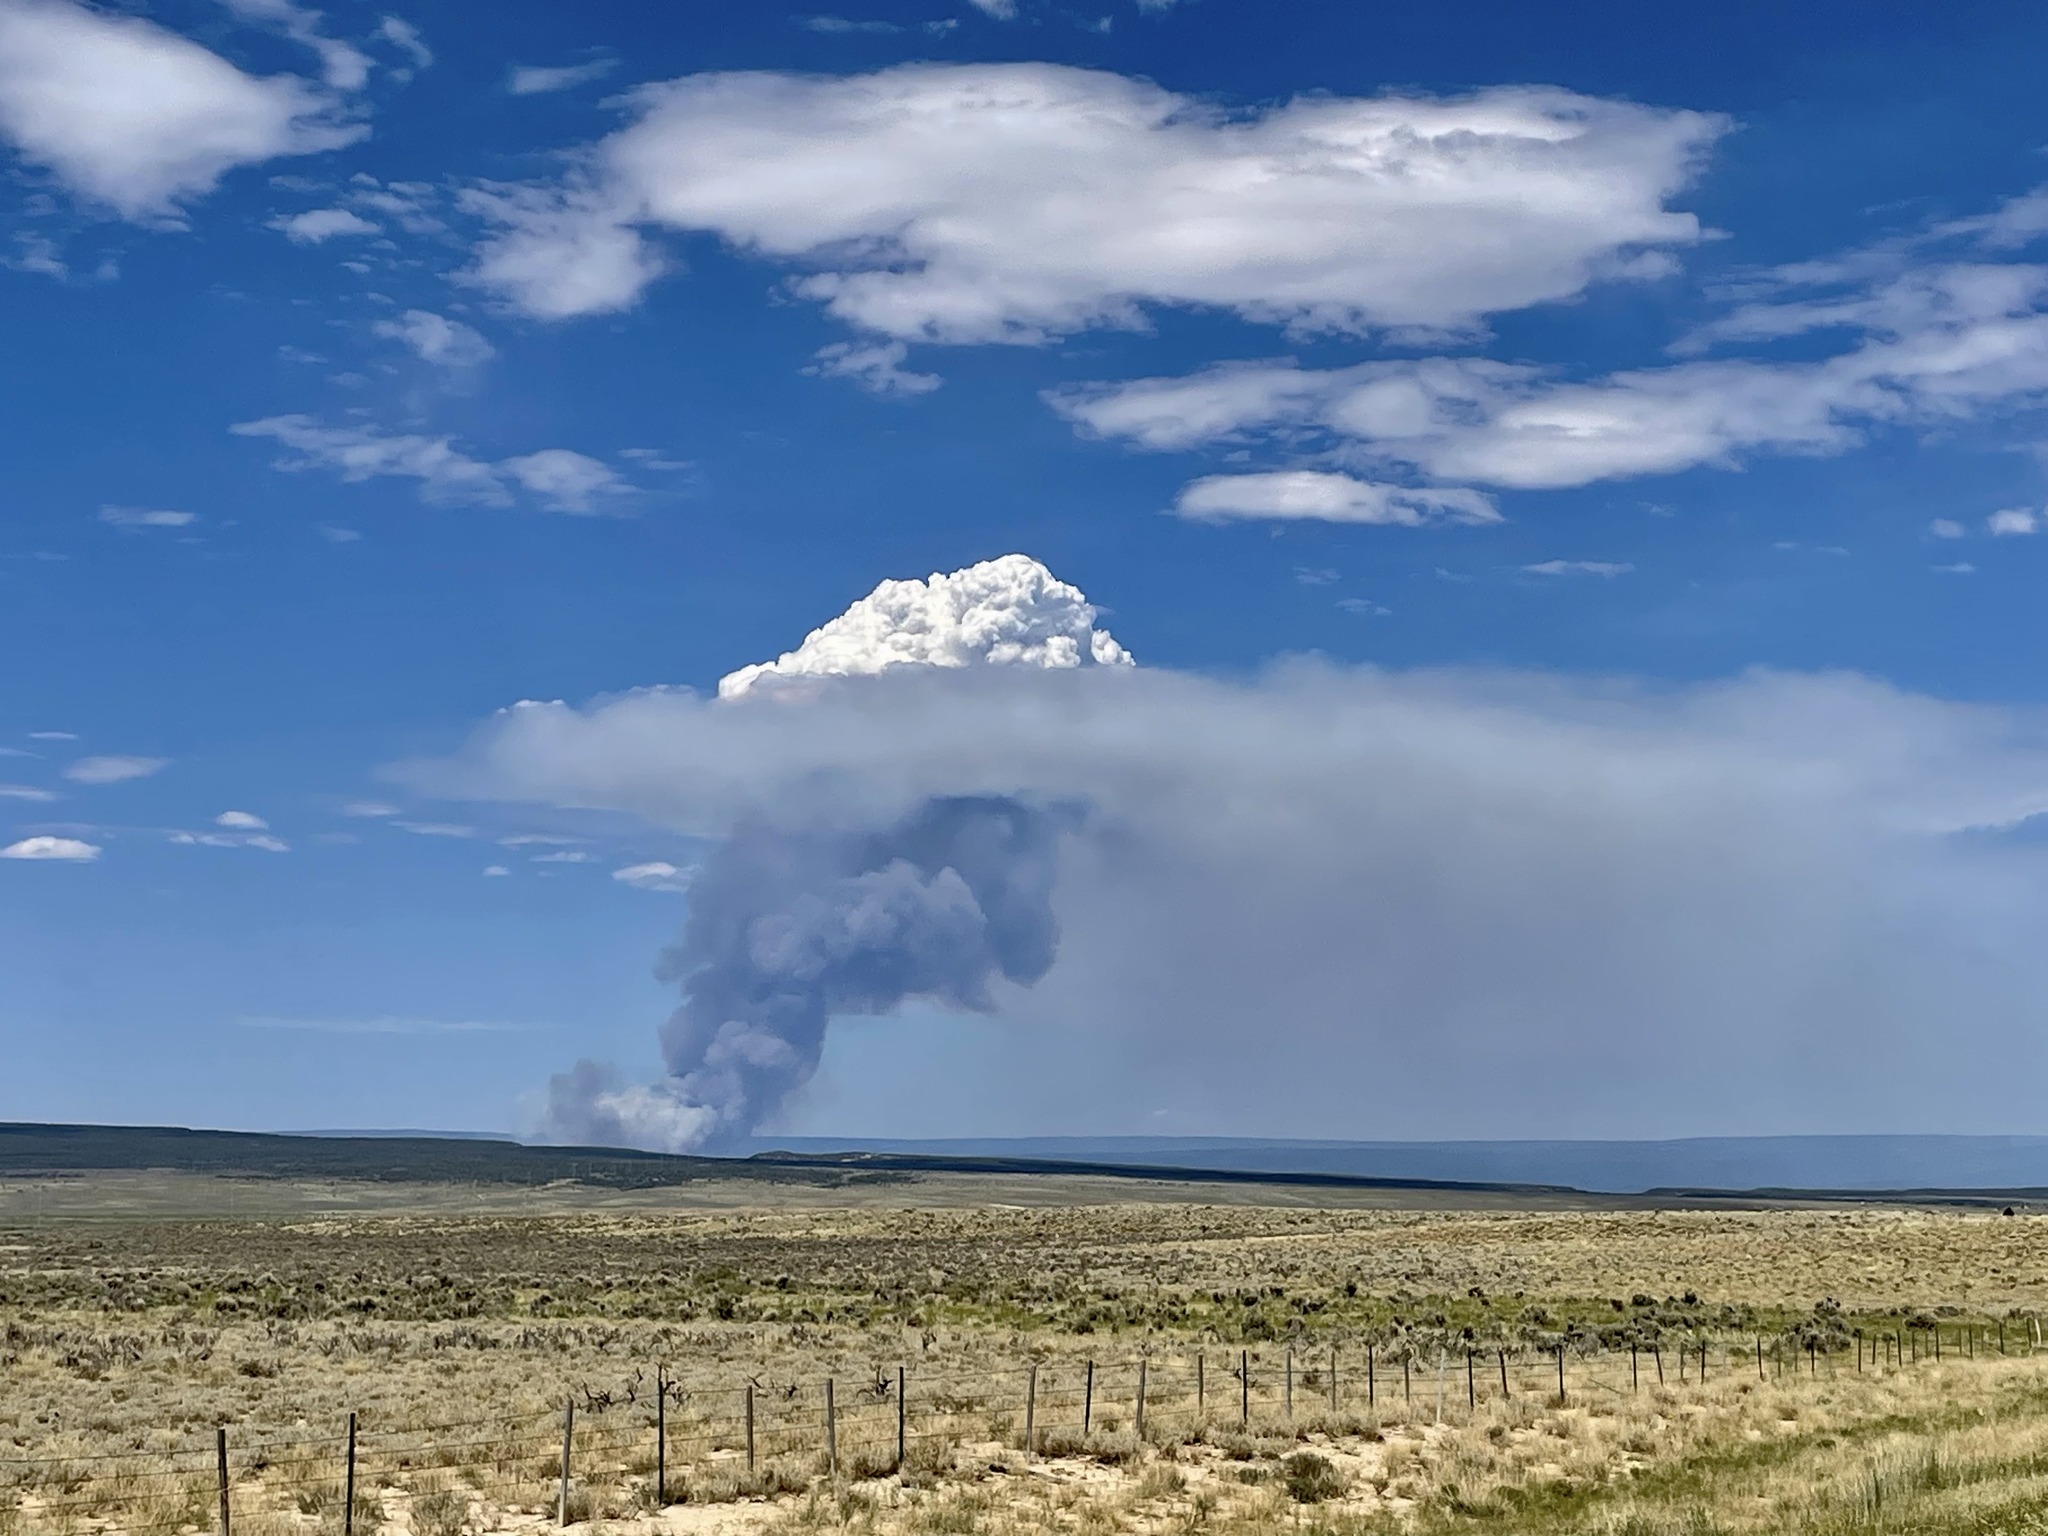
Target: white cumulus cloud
[(2013, 522), (62, 850), (241, 821), (128, 114), (1015, 202), (1325, 496), (1010, 611)]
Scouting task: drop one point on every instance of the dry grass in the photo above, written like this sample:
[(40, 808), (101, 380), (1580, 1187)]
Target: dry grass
[(143, 1335)]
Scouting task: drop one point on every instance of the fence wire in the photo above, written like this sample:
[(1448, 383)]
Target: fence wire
[(611, 1454)]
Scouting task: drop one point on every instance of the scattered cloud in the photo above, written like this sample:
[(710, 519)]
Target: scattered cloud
[(59, 850), (337, 535), (368, 809), (135, 117), (437, 339), (566, 481), (1364, 606), (656, 875), (53, 735), (1019, 202), (495, 871), (1928, 347), (1001, 10), (1579, 568), (1318, 495), (2013, 522), (1946, 528), (241, 821), (145, 517), (1313, 576), (563, 856), (113, 769), (345, 67), (877, 368), (406, 37), (38, 254), (263, 841), (659, 459), (840, 24), (556, 478), (1958, 568), (317, 226), (435, 828), (25, 792), (538, 80)]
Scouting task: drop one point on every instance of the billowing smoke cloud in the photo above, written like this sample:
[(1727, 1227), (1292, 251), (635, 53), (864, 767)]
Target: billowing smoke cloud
[(789, 926), (1343, 901), (788, 929)]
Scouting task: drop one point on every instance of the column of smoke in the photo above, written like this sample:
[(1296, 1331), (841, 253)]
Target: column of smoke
[(787, 929)]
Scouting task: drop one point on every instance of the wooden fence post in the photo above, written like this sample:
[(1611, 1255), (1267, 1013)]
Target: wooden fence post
[(1634, 1381), (1244, 1387), (1560, 1376), (1371, 1379), (902, 1413), (1142, 1363), (1759, 1357), (220, 1445), (1333, 1378), (1407, 1379), (750, 1428), (1471, 1390), (1703, 1362), (568, 1432), (1657, 1355), (1031, 1411), (1287, 1391), (831, 1431), (1088, 1401), (1503, 1374), (348, 1483), (660, 1437), (1201, 1385)]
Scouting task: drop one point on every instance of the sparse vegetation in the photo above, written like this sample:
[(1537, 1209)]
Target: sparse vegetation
[(120, 1335)]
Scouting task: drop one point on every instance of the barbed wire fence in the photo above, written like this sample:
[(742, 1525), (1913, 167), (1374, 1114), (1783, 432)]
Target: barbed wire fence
[(619, 1452)]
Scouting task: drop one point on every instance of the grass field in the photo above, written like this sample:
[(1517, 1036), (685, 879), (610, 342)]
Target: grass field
[(139, 1313)]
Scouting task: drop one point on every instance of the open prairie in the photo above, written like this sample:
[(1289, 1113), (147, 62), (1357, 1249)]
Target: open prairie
[(1347, 1360)]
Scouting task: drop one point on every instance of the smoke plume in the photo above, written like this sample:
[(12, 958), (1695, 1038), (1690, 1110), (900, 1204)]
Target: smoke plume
[(787, 929)]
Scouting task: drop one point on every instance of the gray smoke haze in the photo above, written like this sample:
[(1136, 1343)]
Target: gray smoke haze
[(1342, 901), (788, 928)]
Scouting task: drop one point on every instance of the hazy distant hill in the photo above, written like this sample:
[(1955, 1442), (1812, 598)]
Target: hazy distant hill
[(1619, 1167), (1777, 1164)]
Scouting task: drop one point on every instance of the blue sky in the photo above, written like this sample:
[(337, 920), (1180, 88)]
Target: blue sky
[(368, 371)]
